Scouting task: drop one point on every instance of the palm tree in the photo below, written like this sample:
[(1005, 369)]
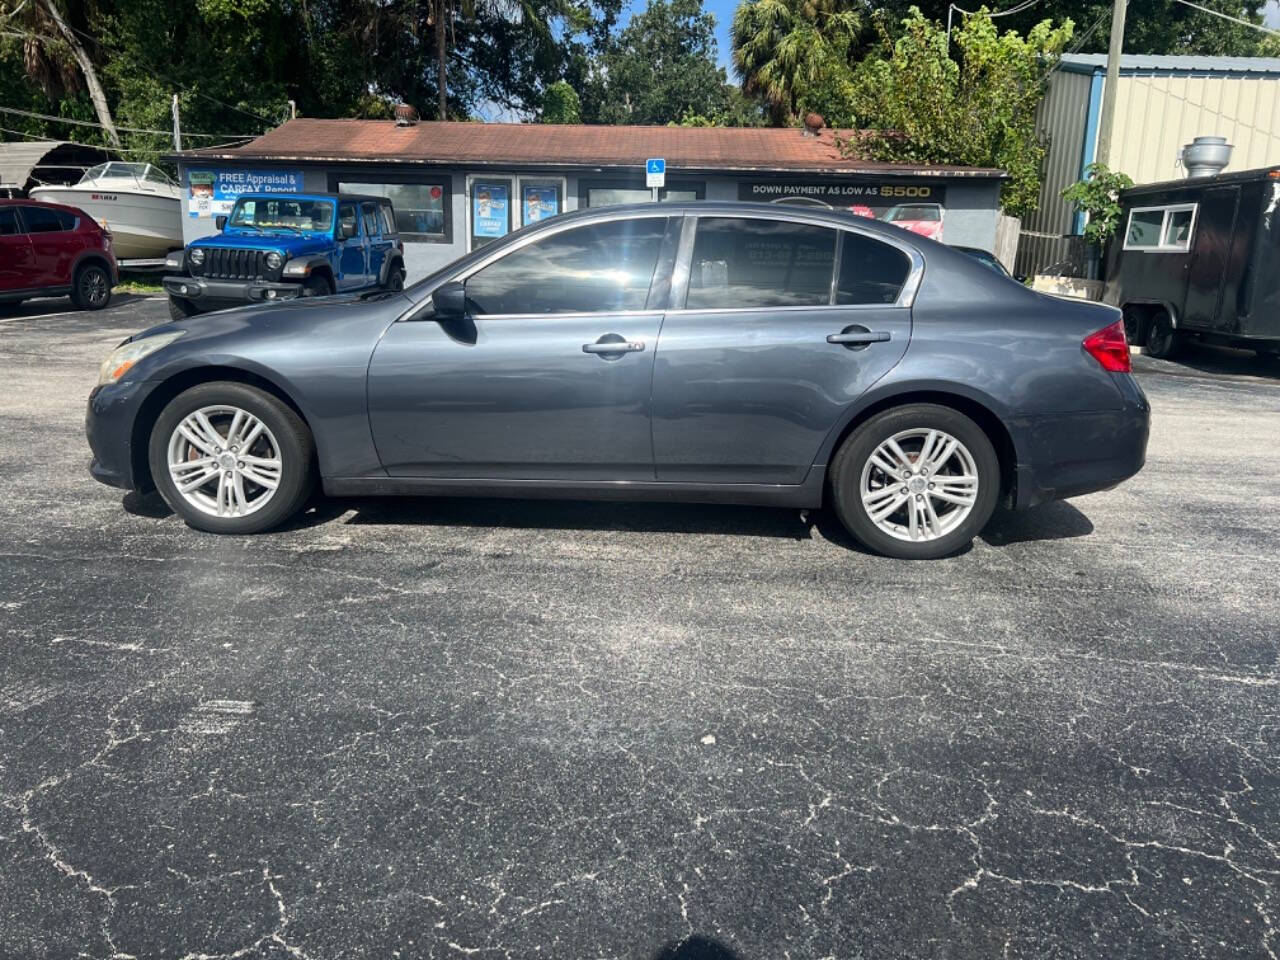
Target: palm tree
[(784, 48), (52, 60)]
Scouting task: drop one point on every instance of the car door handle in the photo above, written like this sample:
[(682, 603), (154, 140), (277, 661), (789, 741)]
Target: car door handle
[(856, 336), (614, 346)]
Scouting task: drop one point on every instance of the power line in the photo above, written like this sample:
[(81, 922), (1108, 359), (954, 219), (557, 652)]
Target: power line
[(89, 123), (1226, 16)]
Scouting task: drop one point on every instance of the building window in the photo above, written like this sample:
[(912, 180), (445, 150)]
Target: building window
[(1161, 229), (540, 199), (422, 207), (608, 193)]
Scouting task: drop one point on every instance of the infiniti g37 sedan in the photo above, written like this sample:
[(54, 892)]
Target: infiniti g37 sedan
[(725, 352)]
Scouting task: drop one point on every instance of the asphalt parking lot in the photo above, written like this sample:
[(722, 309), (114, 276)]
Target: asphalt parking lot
[(459, 728)]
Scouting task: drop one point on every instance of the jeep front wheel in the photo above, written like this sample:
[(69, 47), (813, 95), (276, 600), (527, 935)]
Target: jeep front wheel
[(317, 285)]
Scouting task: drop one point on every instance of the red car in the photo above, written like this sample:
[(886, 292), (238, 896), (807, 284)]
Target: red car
[(51, 250)]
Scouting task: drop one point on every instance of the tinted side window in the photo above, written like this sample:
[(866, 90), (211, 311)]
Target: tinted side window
[(41, 220), (388, 219), (604, 267), (760, 263), (369, 213), (870, 271), (9, 224)]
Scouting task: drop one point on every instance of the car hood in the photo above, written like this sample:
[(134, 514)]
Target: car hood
[(290, 243)]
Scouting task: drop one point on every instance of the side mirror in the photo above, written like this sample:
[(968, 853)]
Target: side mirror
[(220, 221), (450, 301), (348, 229)]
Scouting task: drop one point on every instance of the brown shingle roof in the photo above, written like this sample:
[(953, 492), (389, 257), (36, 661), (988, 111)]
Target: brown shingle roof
[(564, 145)]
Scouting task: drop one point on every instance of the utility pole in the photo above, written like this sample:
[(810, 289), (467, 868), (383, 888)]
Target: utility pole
[(1114, 51), (177, 127)]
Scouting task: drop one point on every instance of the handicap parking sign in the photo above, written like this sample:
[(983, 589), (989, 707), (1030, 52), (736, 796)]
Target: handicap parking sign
[(655, 172)]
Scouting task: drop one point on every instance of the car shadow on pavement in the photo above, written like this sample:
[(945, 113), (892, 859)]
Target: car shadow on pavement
[(633, 517), (1056, 520), (1211, 360), (697, 948), (50, 306)]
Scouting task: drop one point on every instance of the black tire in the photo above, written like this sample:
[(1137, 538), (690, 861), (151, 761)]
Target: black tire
[(91, 287), (1163, 341), (395, 280), (1135, 327), (296, 450), (180, 308), (855, 453), (317, 285)]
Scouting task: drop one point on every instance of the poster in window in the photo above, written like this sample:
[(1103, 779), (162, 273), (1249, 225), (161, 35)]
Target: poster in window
[(540, 203), (489, 215), (211, 193)]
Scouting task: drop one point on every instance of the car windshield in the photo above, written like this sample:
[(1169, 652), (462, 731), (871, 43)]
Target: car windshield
[(120, 169), (283, 213)]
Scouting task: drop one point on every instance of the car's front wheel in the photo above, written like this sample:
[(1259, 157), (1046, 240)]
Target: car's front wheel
[(180, 308), (230, 458), (916, 482)]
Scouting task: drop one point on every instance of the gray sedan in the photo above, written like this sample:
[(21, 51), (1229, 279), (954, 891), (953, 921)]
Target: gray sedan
[(725, 352)]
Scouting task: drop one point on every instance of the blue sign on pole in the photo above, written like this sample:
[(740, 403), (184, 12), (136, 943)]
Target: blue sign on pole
[(655, 172)]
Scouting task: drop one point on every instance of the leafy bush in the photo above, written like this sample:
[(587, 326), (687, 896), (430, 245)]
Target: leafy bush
[(1098, 196)]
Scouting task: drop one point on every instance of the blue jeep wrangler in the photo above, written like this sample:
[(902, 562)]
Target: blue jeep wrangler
[(278, 246)]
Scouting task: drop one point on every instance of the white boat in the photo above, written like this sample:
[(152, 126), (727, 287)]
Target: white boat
[(135, 201)]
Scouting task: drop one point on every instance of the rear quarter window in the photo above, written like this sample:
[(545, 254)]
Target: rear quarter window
[(871, 272), (45, 220)]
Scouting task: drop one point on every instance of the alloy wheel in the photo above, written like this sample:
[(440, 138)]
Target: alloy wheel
[(93, 287), (224, 461), (919, 485)]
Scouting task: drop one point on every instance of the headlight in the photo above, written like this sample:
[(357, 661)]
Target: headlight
[(197, 256), (274, 260), (127, 354)]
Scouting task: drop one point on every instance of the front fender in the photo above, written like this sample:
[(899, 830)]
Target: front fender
[(299, 268)]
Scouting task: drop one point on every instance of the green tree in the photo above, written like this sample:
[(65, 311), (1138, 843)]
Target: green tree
[(560, 104), (916, 104), (795, 53), (661, 66), (1151, 26)]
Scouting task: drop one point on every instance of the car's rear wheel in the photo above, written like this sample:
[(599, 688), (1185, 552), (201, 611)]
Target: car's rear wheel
[(180, 308), (230, 458), (1163, 340), (91, 288), (395, 280), (916, 482)]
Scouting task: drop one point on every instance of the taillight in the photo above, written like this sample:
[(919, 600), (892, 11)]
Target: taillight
[(1110, 348)]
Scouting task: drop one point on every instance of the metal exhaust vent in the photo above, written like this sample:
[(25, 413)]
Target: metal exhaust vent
[(1206, 156)]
